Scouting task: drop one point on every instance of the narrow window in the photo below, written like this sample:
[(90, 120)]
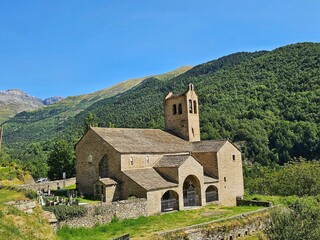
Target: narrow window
[(195, 107), (225, 179), (190, 106), (174, 109), (89, 159), (192, 130), (233, 157), (147, 160), (180, 108), (131, 161)]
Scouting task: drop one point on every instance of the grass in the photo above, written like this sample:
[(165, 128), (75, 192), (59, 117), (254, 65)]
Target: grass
[(17, 225), (146, 227), (273, 199), (70, 187), (85, 199), (256, 236)]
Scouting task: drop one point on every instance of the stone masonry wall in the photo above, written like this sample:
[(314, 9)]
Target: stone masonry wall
[(105, 212), (223, 229), (51, 184)]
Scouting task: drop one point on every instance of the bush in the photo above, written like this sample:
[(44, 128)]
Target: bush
[(62, 193), (298, 178), (63, 212), (31, 194), (300, 221)]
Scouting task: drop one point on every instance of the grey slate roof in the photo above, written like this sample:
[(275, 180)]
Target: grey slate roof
[(210, 179), (172, 161), (149, 179), (133, 140), (107, 181), (208, 146)]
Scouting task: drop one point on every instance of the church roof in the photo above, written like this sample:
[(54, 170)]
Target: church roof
[(149, 179), (208, 146), (209, 178), (172, 160), (107, 181), (135, 140)]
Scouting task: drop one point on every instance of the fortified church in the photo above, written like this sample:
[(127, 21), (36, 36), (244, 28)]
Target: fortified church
[(172, 169)]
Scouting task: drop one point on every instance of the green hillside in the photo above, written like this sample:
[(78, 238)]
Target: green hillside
[(270, 101), (47, 123)]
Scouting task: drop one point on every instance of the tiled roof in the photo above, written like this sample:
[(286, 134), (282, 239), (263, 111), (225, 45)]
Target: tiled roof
[(133, 140), (149, 179), (208, 146), (210, 179), (172, 161), (107, 181)]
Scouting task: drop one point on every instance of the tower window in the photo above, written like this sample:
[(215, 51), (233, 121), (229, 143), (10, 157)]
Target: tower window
[(147, 160), (195, 107), (190, 106), (174, 109), (225, 179), (89, 159), (192, 130), (180, 108), (233, 157), (131, 161)]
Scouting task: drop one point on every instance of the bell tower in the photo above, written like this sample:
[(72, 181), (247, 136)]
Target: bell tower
[(181, 114)]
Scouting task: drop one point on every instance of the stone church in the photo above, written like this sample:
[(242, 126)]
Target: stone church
[(172, 169)]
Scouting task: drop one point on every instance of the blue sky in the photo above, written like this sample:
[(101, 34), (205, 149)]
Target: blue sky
[(72, 47)]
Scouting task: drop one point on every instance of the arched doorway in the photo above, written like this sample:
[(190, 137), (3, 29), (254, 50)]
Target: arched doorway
[(212, 194), (103, 167), (169, 201), (191, 191)]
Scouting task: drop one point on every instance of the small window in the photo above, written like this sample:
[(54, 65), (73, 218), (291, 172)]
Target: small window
[(147, 160), (192, 130), (180, 108), (89, 159), (195, 107), (190, 106), (131, 161), (174, 109), (233, 157), (225, 179)]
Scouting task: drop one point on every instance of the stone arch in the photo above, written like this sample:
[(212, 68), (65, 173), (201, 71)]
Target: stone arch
[(169, 201), (180, 108), (212, 194), (191, 191), (195, 110), (174, 109), (103, 167), (190, 106)]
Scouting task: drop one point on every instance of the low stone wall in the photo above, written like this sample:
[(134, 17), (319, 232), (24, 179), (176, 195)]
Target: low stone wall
[(223, 229), (241, 202), (50, 184), (105, 212)]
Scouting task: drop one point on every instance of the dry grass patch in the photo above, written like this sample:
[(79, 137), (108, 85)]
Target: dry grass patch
[(17, 225)]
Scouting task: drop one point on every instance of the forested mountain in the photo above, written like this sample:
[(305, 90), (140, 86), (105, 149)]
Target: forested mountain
[(269, 101), (47, 123)]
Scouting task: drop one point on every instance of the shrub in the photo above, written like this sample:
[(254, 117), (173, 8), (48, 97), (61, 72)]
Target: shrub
[(62, 193), (299, 221), (63, 212), (31, 194)]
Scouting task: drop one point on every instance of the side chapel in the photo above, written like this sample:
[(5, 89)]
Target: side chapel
[(173, 169)]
